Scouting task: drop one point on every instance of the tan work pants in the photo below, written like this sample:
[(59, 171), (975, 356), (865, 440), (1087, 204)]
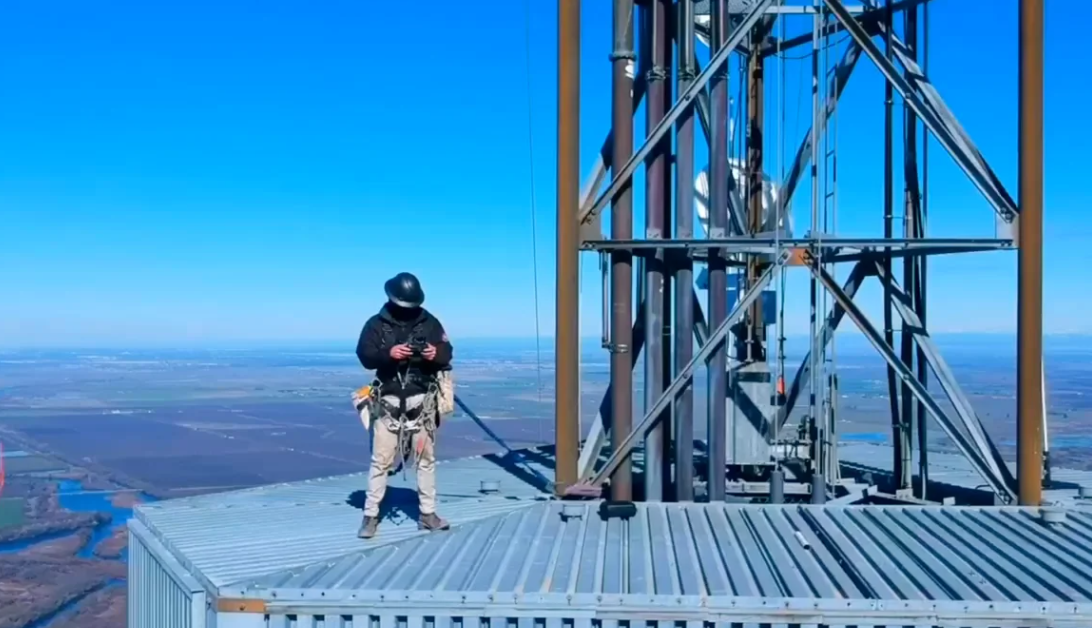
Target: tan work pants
[(385, 450)]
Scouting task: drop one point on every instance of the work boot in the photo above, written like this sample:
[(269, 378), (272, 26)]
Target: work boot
[(431, 522), (368, 527)]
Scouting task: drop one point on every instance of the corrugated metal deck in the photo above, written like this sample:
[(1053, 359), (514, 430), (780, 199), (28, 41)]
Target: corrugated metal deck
[(953, 469), (513, 556), (229, 537), (720, 562)]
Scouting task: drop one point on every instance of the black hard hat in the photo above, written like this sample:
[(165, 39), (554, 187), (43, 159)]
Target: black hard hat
[(404, 290)]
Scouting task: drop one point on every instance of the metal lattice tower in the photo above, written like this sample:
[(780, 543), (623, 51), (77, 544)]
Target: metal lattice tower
[(748, 244)]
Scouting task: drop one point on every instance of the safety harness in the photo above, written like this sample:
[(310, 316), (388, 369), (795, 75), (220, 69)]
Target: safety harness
[(406, 422), (397, 417)]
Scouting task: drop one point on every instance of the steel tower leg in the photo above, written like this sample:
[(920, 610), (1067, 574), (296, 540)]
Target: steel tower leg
[(718, 281), (654, 22), (1029, 392), (684, 274), (621, 371), (567, 348)]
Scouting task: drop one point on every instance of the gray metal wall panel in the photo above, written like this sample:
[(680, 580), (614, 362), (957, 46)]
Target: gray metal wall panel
[(160, 593), (772, 618)]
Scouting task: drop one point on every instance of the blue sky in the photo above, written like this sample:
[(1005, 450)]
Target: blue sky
[(200, 172)]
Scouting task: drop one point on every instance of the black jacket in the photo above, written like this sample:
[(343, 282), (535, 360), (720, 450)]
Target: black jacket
[(385, 330)]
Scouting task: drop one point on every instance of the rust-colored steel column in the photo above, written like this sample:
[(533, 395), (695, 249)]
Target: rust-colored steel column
[(1029, 360), (567, 347), (756, 120), (621, 228)]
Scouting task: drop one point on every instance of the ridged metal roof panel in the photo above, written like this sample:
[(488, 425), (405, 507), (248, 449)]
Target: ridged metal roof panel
[(916, 559), (232, 543), (241, 535), (456, 479)]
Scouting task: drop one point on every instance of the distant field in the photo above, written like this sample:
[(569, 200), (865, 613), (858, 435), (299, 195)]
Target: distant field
[(30, 464), (11, 512), (187, 420)]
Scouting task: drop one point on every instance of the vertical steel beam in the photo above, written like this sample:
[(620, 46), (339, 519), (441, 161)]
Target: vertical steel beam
[(922, 286), (1029, 392), (911, 265), (900, 450), (718, 280), (818, 131), (654, 24), (684, 274), (567, 349), (756, 117), (621, 372), (666, 374)]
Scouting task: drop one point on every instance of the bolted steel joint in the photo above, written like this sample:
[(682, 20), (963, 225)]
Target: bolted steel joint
[(656, 73)]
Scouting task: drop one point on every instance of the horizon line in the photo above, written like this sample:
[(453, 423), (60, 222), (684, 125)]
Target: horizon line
[(324, 343)]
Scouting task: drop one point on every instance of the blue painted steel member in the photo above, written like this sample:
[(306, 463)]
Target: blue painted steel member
[(408, 349)]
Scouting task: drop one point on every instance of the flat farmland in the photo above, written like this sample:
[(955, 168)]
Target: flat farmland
[(104, 437), (206, 472), (211, 446), (30, 464)]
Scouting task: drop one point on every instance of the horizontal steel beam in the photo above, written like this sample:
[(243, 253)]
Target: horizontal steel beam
[(868, 16), (766, 244), (836, 257), (652, 141)]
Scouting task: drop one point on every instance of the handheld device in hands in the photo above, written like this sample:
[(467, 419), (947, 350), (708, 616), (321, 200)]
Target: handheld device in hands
[(417, 345)]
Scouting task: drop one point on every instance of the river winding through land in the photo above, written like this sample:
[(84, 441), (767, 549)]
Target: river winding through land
[(73, 497)]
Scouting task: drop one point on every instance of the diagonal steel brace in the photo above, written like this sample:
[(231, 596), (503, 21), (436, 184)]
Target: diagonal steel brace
[(981, 464), (600, 428), (826, 334), (972, 423), (931, 97), (735, 195), (598, 173), (928, 116), (652, 140), (685, 376)]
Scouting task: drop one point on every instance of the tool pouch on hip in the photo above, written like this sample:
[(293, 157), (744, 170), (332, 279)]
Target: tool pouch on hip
[(445, 397), (364, 399)]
